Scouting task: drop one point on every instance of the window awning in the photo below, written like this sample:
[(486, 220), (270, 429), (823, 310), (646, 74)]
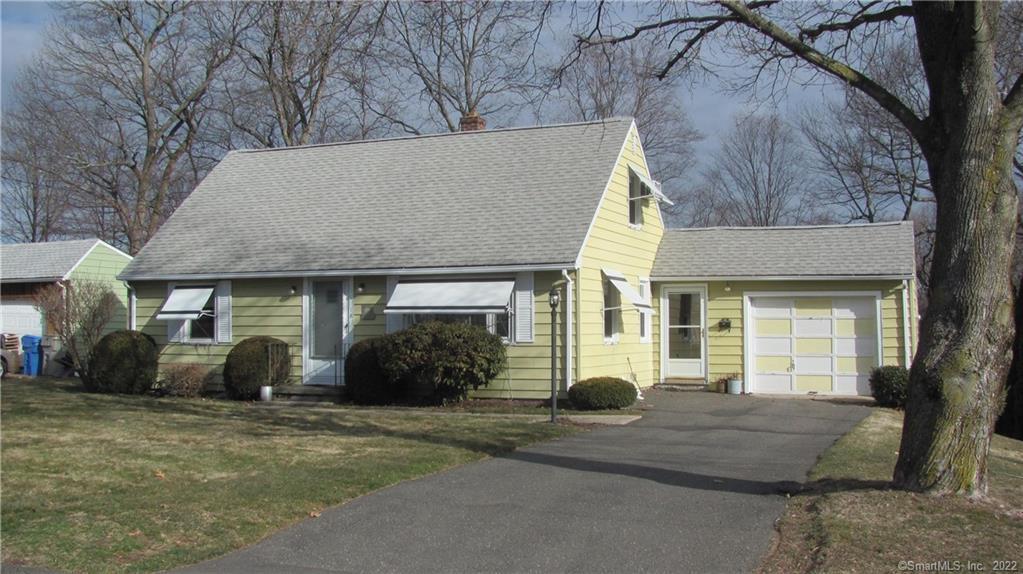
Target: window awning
[(655, 189), (184, 303), (466, 297), (628, 293)]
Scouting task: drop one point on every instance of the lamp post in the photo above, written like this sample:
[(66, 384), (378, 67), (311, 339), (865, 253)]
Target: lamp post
[(554, 297)]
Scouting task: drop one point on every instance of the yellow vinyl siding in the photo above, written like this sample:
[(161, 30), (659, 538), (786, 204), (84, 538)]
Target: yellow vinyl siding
[(258, 307), (104, 264), (725, 346), (615, 244)]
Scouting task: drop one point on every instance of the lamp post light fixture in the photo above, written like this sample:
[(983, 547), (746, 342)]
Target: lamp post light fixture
[(554, 298)]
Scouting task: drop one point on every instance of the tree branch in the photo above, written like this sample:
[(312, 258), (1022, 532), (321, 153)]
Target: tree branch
[(856, 21)]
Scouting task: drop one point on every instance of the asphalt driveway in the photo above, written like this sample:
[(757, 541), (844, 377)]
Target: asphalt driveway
[(696, 485)]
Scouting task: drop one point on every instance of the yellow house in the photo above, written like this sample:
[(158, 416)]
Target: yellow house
[(322, 246)]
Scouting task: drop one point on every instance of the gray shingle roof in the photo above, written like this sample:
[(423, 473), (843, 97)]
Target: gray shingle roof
[(882, 249), (41, 261), (502, 197)]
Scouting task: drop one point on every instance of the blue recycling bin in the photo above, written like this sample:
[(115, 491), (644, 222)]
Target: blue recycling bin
[(32, 361)]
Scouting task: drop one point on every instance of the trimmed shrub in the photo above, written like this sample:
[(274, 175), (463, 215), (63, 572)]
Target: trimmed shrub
[(253, 363), (601, 393), (888, 385), (365, 381), (184, 380), (439, 362), (122, 362)]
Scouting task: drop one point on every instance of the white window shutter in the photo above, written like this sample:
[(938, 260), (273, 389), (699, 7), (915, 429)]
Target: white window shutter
[(175, 329), (223, 311), (523, 303), (393, 322)]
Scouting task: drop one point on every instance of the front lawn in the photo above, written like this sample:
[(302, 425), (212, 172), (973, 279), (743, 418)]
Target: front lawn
[(848, 520), (118, 483)]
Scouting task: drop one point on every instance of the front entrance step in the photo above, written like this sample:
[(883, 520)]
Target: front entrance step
[(684, 385), (309, 393)]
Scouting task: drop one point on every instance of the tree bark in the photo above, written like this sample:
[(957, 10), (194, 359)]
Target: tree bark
[(957, 381)]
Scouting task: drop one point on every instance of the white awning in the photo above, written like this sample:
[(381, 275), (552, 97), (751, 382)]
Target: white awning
[(655, 188), (184, 303), (628, 293), (464, 297)]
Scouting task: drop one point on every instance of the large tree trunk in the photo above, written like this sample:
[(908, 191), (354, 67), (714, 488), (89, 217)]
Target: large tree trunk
[(957, 381)]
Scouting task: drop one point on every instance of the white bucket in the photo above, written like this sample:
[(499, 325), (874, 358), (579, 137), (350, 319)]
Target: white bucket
[(735, 386), (266, 393)]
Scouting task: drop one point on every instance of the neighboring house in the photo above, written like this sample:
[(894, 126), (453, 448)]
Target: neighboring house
[(323, 246), (25, 268)]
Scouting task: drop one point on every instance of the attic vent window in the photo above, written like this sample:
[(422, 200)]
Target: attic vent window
[(642, 188)]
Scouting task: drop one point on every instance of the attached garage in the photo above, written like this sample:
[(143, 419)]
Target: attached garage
[(813, 343)]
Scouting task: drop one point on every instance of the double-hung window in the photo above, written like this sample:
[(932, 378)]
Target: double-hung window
[(638, 192), (496, 323), (197, 313), (645, 318), (612, 312), (489, 303)]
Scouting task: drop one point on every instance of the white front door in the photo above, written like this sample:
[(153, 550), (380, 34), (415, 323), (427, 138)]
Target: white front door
[(325, 334), (683, 323)]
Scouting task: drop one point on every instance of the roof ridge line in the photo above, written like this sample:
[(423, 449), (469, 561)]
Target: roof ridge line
[(771, 228), (436, 135)]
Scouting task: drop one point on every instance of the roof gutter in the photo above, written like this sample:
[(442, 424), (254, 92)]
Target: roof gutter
[(348, 272), (679, 278)]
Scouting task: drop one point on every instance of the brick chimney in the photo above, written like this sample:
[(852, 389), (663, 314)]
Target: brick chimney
[(472, 122)]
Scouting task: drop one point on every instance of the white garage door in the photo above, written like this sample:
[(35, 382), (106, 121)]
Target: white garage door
[(20, 318), (824, 344)]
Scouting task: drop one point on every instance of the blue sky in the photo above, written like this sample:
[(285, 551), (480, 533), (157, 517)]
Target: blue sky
[(21, 35), (22, 25)]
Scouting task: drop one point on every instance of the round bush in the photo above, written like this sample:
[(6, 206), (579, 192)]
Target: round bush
[(601, 393), (439, 362), (365, 381), (888, 385), (253, 363), (122, 362)]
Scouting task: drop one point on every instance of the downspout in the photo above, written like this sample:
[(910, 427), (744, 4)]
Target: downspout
[(569, 330), (906, 345), (132, 298)]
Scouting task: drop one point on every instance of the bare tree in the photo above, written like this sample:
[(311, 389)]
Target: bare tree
[(296, 78), (465, 58), (621, 81), (968, 135), (79, 310), (124, 88), (36, 203), (757, 178)]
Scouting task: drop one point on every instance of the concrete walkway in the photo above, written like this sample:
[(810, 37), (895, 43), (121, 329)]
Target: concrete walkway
[(696, 485)]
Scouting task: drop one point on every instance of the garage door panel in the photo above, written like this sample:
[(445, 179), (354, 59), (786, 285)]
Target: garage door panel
[(773, 327), (815, 346), (810, 383), (774, 384), (852, 385), (855, 327), (859, 346), (772, 307), (813, 307), (813, 365), (855, 365), (769, 364), (855, 307), (773, 345), (813, 327)]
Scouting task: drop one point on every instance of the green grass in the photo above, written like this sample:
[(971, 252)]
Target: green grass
[(849, 520), (99, 483)]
